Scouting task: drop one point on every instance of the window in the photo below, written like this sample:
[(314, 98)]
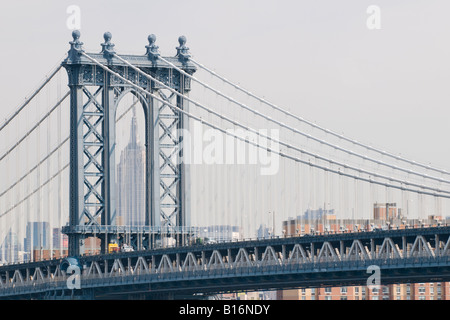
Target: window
[(328, 298), (328, 290), (343, 298), (343, 290), (356, 290)]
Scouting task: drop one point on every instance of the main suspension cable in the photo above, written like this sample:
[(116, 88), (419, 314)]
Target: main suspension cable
[(256, 144), (28, 100), (270, 138), (35, 126), (340, 136)]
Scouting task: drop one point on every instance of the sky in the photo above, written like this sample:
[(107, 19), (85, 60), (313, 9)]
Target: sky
[(387, 87), (321, 60)]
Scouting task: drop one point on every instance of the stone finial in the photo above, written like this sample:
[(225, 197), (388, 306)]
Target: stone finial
[(76, 46), (108, 46), (152, 48), (182, 50)]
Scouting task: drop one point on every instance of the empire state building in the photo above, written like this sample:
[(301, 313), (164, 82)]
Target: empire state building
[(130, 178)]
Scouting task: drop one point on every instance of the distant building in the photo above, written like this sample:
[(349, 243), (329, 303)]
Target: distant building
[(60, 240), (130, 180), (9, 251), (385, 211), (385, 215), (404, 291), (220, 233), (263, 232), (37, 236), (318, 214)]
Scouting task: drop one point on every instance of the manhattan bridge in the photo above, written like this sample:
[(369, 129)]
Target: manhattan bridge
[(220, 192)]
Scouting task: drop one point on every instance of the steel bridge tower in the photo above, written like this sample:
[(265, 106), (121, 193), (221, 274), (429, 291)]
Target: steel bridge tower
[(94, 98)]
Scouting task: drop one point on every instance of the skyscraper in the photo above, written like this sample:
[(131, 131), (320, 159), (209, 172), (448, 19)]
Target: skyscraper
[(9, 251), (37, 236), (131, 180)]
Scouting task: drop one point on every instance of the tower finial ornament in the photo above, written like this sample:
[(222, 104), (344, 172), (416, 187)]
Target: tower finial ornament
[(108, 46), (182, 50), (152, 48), (76, 46)]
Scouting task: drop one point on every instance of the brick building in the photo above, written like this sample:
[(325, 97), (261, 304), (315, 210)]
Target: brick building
[(385, 216)]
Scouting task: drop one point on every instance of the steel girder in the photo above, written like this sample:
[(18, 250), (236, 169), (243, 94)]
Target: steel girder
[(291, 261)]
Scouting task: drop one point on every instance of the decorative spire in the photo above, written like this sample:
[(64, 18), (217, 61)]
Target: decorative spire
[(182, 50), (152, 48), (76, 46), (134, 138), (108, 46)]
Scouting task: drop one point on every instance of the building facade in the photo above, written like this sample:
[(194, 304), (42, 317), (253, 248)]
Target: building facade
[(385, 216)]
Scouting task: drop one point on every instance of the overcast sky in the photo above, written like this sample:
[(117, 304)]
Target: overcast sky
[(387, 87)]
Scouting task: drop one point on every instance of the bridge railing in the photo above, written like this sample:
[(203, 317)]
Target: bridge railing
[(237, 260)]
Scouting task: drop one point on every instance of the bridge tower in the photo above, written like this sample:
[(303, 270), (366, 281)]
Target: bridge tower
[(94, 97)]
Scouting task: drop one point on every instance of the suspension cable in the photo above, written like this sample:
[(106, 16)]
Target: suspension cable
[(58, 147), (35, 190), (340, 136), (28, 100), (270, 138), (436, 191), (35, 167), (35, 126), (364, 157)]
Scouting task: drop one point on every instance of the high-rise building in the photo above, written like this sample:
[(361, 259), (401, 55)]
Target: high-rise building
[(37, 236), (130, 180), (9, 251), (60, 240), (385, 211), (263, 232)]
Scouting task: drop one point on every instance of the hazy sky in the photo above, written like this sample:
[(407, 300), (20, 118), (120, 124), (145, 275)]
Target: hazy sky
[(386, 87)]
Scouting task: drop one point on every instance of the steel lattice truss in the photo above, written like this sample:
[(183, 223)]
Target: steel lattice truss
[(169, 148), (415, 255), (93, 149)]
